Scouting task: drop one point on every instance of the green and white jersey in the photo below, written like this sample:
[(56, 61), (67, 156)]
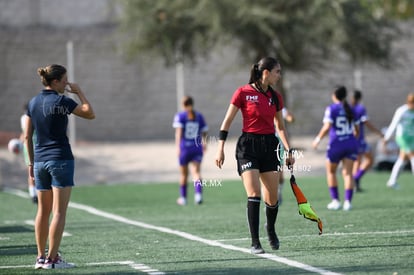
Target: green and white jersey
[(402, 123)]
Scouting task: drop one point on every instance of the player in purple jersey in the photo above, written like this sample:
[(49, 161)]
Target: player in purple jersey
[(365, 158), (339, 121), (190, 135)]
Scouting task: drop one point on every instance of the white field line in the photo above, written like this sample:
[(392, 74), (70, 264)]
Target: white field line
[(136, 266), (22, 194), (16, 266), (16, 192), (187, 236)]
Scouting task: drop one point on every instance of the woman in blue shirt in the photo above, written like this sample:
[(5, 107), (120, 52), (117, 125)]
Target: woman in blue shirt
[(51, 159)]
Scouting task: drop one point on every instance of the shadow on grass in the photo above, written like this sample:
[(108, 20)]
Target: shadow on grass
[(14, 250), (15, 229)]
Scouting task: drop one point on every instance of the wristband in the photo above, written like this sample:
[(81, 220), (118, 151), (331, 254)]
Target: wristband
[(223, 135), (317, 139)]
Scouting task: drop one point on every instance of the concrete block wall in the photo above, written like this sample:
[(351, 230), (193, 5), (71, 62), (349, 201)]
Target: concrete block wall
[(136, 99)]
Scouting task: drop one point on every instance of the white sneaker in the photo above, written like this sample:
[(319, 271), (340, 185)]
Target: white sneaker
[(58, 262), (334, 205), (347, 205), (181, 201), (393, 185), (40, 261), (198, 198)]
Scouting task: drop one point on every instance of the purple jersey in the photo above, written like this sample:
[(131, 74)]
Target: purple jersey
[(191, 139), (342, 142), (360, 114)]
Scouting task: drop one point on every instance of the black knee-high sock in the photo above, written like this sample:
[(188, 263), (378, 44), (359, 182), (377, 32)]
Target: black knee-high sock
[(253, 214), (271, 215)]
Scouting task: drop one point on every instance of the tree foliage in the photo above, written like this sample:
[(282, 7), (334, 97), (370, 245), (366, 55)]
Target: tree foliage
[(178, 29), (301, 34)]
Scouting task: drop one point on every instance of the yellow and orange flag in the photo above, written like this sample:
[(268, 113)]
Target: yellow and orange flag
[(305, 208)]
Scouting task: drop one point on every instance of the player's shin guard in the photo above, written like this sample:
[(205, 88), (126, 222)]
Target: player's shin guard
[(271, 216), (253, 214)]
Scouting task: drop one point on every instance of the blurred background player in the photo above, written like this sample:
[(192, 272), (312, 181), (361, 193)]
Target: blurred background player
[(365, 157), (190, 136), (340, 123), (403, 124), (257, 163), (30, 181)]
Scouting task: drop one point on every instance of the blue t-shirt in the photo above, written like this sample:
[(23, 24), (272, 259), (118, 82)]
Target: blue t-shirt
[(49, 113)]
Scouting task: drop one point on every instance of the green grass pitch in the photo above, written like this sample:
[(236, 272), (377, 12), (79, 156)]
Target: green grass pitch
[(139, 229)]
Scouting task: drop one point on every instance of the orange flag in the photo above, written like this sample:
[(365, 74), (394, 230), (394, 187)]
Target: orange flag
[(305, 208)]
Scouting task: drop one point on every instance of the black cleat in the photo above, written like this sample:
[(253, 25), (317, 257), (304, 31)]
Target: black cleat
[(274, 244), (273, 239)]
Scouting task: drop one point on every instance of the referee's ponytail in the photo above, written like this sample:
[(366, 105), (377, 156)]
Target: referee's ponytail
[(266, 63)]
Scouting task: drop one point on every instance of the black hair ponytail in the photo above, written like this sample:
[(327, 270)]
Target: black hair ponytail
[(275, 99), (340, 94), (266, 63), (188, 101), (348, 111)]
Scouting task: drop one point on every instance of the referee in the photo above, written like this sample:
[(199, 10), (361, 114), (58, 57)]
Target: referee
[(257, 147)]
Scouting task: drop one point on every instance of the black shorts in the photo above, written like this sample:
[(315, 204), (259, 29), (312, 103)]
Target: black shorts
[(255, 151)]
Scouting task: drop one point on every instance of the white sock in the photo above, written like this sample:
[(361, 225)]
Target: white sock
[(395, 171), (32, 191), (412, 164)]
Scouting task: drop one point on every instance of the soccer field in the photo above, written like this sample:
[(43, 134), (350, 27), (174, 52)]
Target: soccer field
[(138, 229)]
